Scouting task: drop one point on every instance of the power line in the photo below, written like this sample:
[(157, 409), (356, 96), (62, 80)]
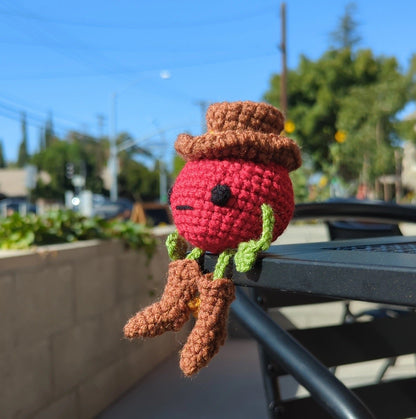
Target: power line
[(32, 107), (91, 59), (134, 72), (81, 52), (139, 25), (14, 113)]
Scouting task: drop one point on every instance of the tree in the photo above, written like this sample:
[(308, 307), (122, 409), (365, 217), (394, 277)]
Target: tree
[(135, 180), (2, 159), (178, 164), (368, 116), (346, 35), (49, 136), (350, 93), (90, 159), (23, 156), (54, 160), (87, 157), (42, 144)]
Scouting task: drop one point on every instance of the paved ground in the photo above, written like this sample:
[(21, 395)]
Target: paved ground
[(231, 386)]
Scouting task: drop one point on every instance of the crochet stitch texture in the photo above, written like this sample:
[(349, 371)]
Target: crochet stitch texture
[(233, 197), (210, 331), (242, 130), (172, 311), (214, 227)]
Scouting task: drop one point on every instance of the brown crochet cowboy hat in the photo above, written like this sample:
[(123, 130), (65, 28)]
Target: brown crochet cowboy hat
[(242, 130)]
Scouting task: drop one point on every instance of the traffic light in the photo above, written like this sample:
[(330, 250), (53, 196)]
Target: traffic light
[(69, 170)]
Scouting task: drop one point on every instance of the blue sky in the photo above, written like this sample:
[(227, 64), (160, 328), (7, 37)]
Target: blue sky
[(69, 59)]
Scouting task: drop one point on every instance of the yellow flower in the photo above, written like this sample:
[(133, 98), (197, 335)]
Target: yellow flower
[(289, 126), (323, 181), (340, 136)]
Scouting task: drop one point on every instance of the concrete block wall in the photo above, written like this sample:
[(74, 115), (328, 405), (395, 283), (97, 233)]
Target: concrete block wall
[(62, 310)]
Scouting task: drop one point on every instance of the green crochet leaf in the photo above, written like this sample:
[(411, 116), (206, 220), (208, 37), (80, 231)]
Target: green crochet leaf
[(222, 263), (195, 253), (247, 252), (176, 246)]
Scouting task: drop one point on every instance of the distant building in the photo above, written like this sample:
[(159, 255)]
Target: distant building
[(13, 182), (409, 160), (106, 177), (409, 166)]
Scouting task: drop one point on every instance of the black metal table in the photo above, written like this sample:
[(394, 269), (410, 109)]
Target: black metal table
[(364, 269), (375, 270)]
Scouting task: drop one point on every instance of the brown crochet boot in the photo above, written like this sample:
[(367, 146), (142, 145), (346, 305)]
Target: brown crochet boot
[(171, 311), (210, 331)]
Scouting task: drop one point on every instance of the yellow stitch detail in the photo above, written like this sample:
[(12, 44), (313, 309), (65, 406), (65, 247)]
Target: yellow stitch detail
[(194, 305)]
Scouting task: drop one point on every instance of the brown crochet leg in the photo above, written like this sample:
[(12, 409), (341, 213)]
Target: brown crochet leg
[(210, 331), (171, 311)]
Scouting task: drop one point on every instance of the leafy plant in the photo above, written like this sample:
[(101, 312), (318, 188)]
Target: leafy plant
[(352, 92), (23, 232)]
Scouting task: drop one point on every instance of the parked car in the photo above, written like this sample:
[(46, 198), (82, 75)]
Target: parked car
[(113, 209), (152, 213), (10, 205)]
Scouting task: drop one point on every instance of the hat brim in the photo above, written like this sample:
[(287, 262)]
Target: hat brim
[(259, 147)]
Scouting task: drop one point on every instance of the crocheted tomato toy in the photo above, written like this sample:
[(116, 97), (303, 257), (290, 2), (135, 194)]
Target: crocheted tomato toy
[(233, 197), (216, 204)]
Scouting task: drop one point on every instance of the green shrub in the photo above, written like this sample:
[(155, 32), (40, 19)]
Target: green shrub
[(23, 232)]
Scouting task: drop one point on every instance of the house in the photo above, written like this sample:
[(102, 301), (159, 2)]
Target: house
[(15, 182), (409, 161), (409, 166)]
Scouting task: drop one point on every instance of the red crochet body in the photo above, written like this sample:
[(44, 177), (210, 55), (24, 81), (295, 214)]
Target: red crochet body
[(215, 228)]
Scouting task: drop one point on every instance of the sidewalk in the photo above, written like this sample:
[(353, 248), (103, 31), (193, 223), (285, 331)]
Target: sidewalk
[(231, 387)]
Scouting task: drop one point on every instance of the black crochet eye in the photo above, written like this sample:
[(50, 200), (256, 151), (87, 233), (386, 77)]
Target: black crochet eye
[(169, 194), (220, 194)]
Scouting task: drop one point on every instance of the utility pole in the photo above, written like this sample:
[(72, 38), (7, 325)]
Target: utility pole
[(100, 122), (114, 149), (163, 179), (283, 77), (113, 160)]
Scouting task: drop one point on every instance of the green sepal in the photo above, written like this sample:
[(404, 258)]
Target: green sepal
[(247, 252), (176, 246)]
